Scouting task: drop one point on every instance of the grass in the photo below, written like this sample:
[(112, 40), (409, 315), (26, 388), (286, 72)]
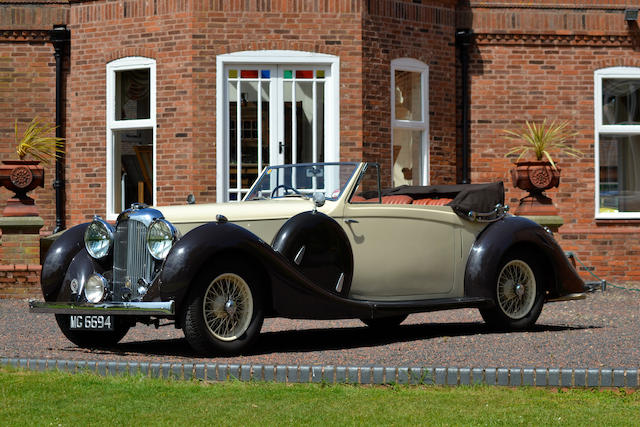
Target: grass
[(60, 399)]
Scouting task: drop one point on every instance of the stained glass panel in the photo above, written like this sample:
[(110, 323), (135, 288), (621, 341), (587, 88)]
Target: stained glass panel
[(304, 74), (249, 74)]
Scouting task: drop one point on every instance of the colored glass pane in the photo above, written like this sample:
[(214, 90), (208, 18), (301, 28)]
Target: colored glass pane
[(320, 74), (265, 74), (304, 74), (249, 74), (288, 74), (233, 74)]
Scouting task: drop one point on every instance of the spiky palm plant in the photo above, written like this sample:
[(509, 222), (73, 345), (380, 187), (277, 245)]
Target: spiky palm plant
[(541, 139), (36, 142)]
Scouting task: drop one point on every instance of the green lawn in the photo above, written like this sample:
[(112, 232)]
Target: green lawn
[(53, 398)]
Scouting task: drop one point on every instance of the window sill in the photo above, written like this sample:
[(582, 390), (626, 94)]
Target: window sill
[(617, 221)]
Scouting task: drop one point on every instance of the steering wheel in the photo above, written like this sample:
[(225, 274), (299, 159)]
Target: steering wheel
[(287, 190)]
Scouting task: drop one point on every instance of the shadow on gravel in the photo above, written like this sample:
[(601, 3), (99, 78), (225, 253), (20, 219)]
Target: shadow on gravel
[(310, 340), (345, 338)]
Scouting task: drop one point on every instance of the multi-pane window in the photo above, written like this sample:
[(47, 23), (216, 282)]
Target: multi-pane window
[(617, 110), (410, 122), (131, 122), (274, 108)]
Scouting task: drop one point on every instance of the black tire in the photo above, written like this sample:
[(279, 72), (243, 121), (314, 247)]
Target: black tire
[(94, 339), (383, 323), (518, 293), (208, 300)]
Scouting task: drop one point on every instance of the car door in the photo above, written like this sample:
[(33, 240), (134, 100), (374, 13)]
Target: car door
[(402, 252)]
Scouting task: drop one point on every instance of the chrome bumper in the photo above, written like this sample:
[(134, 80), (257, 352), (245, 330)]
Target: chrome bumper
[(116, 308)]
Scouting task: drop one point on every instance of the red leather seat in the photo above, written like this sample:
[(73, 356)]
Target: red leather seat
[(397, 200), (432, 202)]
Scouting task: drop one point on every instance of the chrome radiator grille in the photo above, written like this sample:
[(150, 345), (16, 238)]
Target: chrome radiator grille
[(131, 259)]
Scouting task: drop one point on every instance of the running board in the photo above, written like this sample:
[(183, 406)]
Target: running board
[(388, 307)]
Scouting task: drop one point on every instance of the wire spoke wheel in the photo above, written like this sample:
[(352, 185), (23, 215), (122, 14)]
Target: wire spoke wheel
[(227, 307), (516, 293)]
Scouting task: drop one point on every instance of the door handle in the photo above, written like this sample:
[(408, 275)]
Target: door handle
[(280, 147), (350, 221)]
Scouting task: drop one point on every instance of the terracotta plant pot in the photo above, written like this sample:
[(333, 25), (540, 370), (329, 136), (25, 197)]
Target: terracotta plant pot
[(21, 177), (535, 177)]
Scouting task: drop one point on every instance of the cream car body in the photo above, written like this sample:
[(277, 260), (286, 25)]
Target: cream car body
[(217, 270)]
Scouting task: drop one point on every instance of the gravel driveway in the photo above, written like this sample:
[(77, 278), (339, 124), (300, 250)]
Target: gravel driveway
[(600, 332)]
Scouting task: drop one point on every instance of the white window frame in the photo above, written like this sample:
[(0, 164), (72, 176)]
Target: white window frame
[(124, 64), (599, 75), (275, 57), (413, 65)]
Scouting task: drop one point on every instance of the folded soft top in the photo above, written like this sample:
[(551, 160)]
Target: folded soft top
[(469, 200)]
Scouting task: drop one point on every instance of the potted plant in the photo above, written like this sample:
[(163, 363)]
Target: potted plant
[(536, 176), (22, 176)]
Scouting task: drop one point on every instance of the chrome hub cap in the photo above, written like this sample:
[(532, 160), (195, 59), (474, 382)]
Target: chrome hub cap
[(516, 289), (519, 290), (227, 307), (230, 307)]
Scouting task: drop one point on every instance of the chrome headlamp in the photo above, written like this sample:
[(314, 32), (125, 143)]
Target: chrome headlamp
[(160, 238), (98, 238), (95, 288)]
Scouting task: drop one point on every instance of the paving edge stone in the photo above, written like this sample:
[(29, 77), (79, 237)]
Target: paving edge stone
[(364, 375)]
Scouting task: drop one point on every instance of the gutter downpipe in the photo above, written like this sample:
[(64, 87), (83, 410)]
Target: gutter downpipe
[(464, 38), (60, 37)]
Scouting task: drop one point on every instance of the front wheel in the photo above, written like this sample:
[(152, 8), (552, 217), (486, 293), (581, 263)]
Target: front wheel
[(224, 312), (93, 339), (518, 294)]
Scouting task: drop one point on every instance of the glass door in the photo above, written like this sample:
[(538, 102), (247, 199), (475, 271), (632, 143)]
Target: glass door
[(249, 101), (275, 115)]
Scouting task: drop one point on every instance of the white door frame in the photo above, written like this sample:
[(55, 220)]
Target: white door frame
[(275, 57)]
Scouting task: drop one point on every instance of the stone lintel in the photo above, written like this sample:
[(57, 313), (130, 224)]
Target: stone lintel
[(21, 224)]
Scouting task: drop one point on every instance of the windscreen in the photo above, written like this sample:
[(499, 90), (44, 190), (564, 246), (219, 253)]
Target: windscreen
[(303, 180)]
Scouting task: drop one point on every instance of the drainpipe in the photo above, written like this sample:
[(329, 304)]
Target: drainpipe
[(464, 39), (60, 37)]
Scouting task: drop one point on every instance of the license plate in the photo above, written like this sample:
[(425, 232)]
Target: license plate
[(93, 322)]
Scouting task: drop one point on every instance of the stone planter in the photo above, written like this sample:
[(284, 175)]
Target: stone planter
[(535, 177), (21, 177)]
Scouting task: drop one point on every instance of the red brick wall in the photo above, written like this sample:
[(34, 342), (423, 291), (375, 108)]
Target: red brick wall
[(20, 281), (537, 63), (184, 38), (27, 85), (395, 29), (530, 60)]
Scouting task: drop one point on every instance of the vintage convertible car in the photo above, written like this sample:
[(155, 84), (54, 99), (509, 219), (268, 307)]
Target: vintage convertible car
[(315, 241)]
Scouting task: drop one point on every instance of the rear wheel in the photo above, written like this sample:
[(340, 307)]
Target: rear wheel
[(224, 312), (518, 294), (93, 339)]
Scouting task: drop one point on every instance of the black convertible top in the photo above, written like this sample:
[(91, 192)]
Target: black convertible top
[(467, 198)]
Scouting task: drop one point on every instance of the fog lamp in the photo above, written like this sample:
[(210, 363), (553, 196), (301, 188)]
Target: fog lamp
[(95, 288)]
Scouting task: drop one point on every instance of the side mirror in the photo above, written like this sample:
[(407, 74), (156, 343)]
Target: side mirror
[(318, 200), (191, 199)]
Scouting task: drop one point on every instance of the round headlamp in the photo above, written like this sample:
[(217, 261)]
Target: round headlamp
[(98, 238), (95, 288), (160, 238)]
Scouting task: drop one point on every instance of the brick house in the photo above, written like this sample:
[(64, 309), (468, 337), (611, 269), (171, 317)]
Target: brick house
[(165, 98)]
